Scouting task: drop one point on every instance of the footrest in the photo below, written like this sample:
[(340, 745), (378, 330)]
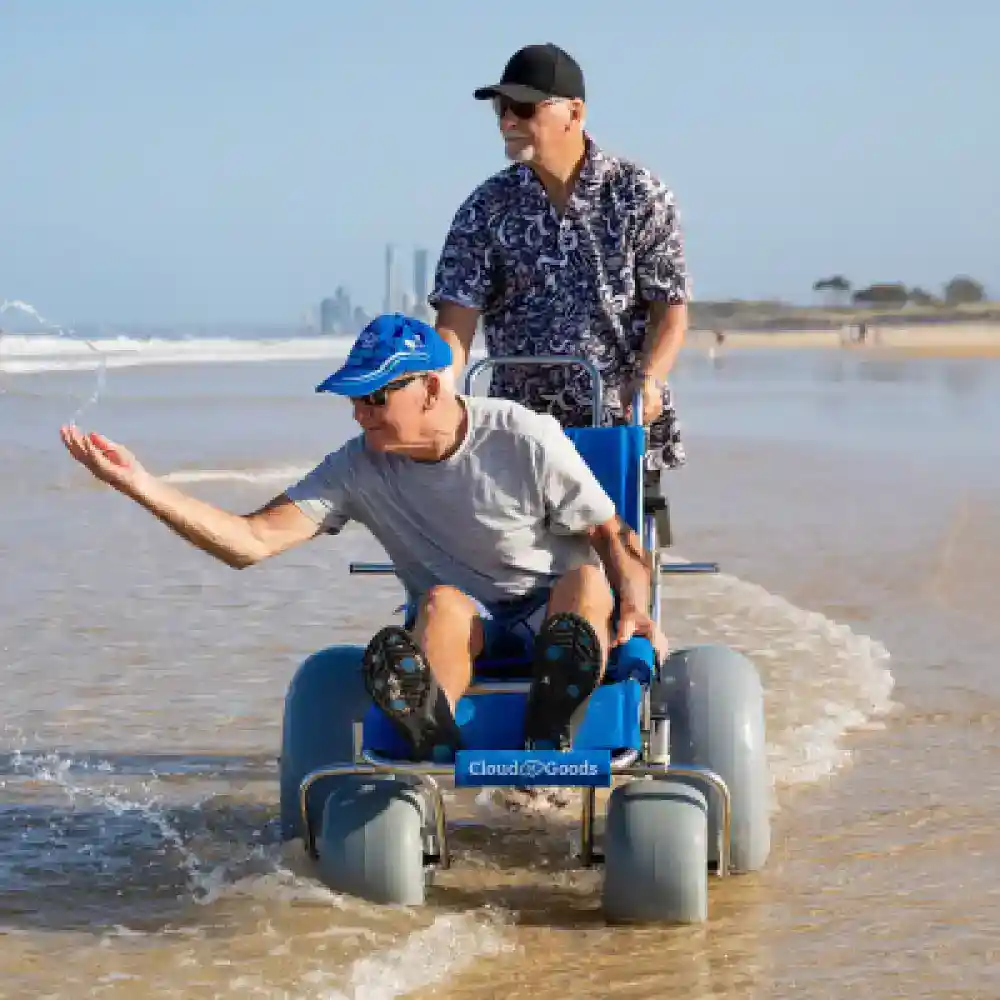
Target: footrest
[(495, 722)]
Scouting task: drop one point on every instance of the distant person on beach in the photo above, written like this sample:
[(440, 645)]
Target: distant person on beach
[(720, 338), (494, 523), (570, 251)]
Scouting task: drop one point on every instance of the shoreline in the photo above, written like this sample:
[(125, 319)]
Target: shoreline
[(948, 340)]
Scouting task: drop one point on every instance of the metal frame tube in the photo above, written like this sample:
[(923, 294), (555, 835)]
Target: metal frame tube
[(596, 381), (366, 763), (666, 569), (671, 569), (373, 568), (663, 773), (370, 764)]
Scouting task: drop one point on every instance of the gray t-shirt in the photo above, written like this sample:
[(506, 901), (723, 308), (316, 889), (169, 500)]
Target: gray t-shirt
[(503, 515)]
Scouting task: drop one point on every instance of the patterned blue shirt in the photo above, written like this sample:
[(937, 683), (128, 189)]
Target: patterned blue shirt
[(580, 284)]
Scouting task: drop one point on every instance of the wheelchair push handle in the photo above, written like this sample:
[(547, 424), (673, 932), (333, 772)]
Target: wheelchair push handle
[(596, 381)]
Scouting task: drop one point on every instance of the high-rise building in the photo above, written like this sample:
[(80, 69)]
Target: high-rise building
[(328, 316), (343, 314), (420, 279), (389, 298)]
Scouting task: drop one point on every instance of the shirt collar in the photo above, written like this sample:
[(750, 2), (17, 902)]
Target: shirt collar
[(596, 165)]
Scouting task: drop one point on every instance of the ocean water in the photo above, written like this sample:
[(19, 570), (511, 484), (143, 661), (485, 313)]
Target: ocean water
[(852, 501)]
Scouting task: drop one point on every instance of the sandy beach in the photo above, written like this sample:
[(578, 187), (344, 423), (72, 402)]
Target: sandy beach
[(940, 340)]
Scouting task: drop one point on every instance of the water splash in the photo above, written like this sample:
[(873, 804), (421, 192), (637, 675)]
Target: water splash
[(49, 327), (822, 682), (360, 951), (55, 769), (252, 865), (426, 958)]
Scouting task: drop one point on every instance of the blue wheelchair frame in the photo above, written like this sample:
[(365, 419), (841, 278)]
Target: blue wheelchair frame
[(619, 715)]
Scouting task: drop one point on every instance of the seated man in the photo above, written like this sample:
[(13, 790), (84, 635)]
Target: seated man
[(490, 515)]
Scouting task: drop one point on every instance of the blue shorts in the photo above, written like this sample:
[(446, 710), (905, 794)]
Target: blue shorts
[(509, 627)]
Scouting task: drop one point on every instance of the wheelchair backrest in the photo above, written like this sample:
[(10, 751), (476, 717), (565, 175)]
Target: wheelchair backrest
[(614, 455)]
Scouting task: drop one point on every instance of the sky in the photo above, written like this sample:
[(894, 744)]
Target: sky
[(236, 160)]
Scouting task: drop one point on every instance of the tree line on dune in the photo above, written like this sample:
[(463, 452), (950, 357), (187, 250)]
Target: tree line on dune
[(961, 290)]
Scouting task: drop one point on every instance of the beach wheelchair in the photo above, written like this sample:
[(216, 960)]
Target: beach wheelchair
[(681, 745)]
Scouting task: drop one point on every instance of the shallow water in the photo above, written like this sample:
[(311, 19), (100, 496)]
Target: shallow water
[(853, 503)]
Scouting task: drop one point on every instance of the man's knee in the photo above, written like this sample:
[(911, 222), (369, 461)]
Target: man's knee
[(591, 579), (450, 631), (448, 615), (585, 584), (443, 603)]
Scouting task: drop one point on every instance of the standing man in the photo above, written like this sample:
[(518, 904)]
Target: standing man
[(569, 251)]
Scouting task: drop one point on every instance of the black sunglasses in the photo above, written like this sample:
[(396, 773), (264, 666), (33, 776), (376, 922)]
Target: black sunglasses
[(524, 110), (380, 396)]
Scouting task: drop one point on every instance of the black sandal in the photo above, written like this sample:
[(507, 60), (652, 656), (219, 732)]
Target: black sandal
[(400, 683), (567, 666)]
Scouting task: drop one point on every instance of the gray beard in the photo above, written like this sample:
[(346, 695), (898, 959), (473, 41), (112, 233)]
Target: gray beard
[(524, 154)]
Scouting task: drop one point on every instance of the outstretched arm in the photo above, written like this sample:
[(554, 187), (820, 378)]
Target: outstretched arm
[(238, 540)]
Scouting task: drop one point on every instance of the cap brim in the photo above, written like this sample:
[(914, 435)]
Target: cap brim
[(350, 380), (515, 91), (346, 382)]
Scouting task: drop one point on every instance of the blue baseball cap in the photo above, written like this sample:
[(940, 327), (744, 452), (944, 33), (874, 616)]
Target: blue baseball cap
[(389, 346)]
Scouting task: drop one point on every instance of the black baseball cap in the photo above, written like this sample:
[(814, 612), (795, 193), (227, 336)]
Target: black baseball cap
[(536, 73)]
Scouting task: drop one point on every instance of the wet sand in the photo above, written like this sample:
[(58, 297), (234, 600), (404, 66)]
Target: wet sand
[(853, 503)]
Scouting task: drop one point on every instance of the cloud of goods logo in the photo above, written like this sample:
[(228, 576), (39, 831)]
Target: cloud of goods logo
[(533, 768)]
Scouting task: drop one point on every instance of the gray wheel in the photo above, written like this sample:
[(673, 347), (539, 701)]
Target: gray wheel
[(656, 853), (370, 843), (325, 696), (715, 703)]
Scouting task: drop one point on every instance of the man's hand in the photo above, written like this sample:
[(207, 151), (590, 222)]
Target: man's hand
[(633, 620), (237, 540), (628, 572), (112, 463), (652, 397)]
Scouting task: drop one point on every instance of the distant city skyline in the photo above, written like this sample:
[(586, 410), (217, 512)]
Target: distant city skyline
[(336, 314), (339, 314)]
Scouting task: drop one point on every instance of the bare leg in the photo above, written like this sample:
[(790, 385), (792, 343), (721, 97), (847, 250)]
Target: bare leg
[(585, 592), (450, 632), (571, 653), (417, 677)]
